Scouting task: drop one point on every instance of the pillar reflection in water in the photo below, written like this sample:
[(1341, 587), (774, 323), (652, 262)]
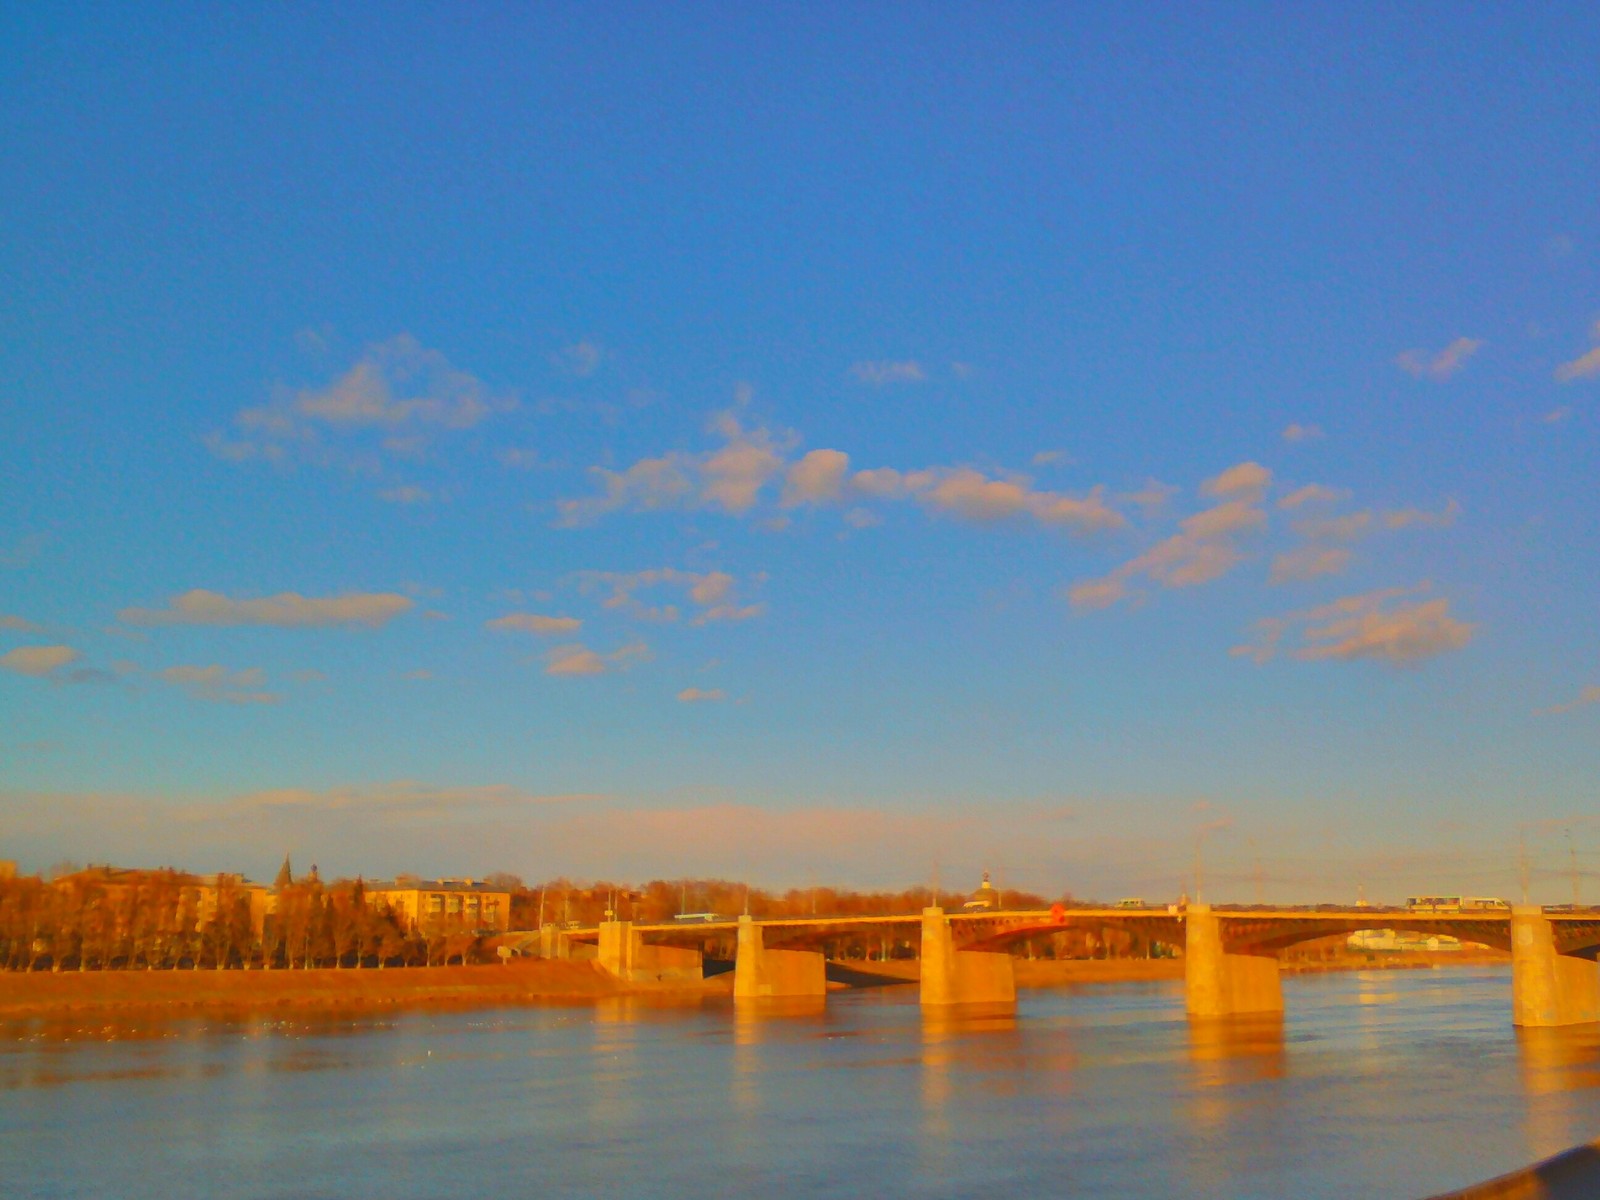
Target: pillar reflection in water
[(951, 1033), (756, 1022), (1227, 1053), (615, 1071), (1557, 1059)]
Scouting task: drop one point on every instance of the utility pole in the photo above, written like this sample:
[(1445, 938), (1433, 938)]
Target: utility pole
[(1522, 860), (1572, 857), (1199, 848)]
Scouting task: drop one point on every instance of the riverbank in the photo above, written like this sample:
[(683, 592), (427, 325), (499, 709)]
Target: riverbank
[(1066, 972), (521, 981), (44, 994), (1048, 972)]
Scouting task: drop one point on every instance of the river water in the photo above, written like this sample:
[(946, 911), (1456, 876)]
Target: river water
[(1397, 1083)]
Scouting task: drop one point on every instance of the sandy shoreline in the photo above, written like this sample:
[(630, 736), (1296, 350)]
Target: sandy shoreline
[(523, 981), (71, 993)]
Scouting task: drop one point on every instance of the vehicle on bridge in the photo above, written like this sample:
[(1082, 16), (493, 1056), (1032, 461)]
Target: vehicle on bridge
[(1131, 902), (700, 918), (1456, 904)]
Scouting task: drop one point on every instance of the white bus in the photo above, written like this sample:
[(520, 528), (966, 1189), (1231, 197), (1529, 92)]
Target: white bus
[(1455, 904)]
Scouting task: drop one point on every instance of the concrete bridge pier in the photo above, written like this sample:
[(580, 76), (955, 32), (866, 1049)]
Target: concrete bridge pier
[(951, 976), (553, 942), (1548, 987), (762, 974), (624, 954), (1219, 983)]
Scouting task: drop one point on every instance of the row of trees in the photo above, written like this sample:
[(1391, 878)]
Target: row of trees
[(561, 901), (165, 919), (168, 920)]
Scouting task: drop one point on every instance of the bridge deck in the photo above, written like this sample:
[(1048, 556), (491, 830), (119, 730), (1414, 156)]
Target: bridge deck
[(1365, 918)]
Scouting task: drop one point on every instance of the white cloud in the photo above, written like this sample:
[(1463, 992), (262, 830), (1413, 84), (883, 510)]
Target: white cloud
[(731, 478), (968, 493), (1348, 528), (533, 623), (1442, 365), (217, 684), (712, 591), (694, 695), (735, 475), (577, 659), (398, 388), (1354, 526), (400, 382), (711, 587), (730, 612), (1233, 516), (1403, 518), (1153, 497), (880, 483), (1098, 593), (1585, 365), (1244, 481), (880, 373), (1580, 368), (19, 625), (1303, 433), (1589, 695), (1399, 637), (649, 485), (818, 478), (1309, 562), (1204, 548), (971, 494), (1313, 493), (1385, 626), (38, 661), (287, 610), (574, 660)]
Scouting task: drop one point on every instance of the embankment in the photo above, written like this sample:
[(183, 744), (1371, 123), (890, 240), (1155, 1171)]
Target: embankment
[(229, 992), (1044, 972), (1062, 972)]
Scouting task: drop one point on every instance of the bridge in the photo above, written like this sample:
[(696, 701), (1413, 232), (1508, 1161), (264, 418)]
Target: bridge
[(1230, 953)]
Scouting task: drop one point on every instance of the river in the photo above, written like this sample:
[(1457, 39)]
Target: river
[(1381, 1084)]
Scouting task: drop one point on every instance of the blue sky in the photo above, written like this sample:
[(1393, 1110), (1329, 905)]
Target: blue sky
[(808, 443)]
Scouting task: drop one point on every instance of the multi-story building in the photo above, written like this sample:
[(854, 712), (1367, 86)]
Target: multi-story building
[(117, 886), (429, 904)]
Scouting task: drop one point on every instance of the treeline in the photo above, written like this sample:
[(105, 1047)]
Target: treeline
[(561, 900), (165, 920)]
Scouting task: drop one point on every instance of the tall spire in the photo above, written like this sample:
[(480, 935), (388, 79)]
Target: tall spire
[(285, 876)]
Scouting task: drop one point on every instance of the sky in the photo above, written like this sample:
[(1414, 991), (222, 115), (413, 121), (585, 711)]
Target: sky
[(861, 445)]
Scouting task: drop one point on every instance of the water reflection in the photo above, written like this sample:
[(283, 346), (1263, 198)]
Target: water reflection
[(955, 1035), (1108, 1092), (613, 1096), (1226, 1055), (1226, 1051), (753, 1019), (1560, 1059)]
